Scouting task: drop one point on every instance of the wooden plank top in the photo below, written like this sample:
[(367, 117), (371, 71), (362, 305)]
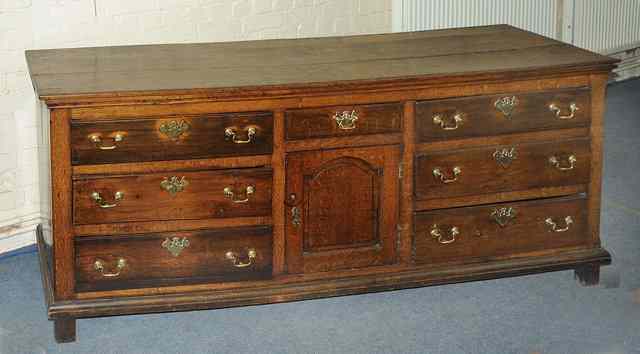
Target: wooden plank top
[(299, 63)]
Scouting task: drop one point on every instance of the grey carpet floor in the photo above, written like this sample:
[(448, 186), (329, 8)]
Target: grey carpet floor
[(546, 313)]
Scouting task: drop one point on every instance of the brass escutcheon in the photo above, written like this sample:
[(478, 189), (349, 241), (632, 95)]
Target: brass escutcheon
[(173, 129), (296, 219), (503, 216), (504, 157), (174, 184), (346, 120), (506, 105), (175, 245)]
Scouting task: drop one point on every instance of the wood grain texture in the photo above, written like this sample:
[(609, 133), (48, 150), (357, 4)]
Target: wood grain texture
[(61, 199), (278, 198), (286, 280), (372, 282), (166, 166), (405, 225), (399, 90), (480, 117), (149, 263), (339, 142), (507, 139), (142, 227), (599, 85), (482, 238), (202, 197), (321, 122), (143, 139), (481, 173), (455, 202), (144, 69)]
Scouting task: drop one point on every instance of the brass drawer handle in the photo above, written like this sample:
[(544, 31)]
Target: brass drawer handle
[(555, 162), (103, 203), (173, 129), (175, 245), (506, 105), (346, 120), (556, 110), (457, 120), (230, 194), (97, 140), (174, 184), (437, 234), (231, 134), (554, 227), (237, 262), (98, 265), (437, 172)]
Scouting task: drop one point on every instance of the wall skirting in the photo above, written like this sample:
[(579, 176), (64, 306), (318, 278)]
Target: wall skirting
[(19, 234)]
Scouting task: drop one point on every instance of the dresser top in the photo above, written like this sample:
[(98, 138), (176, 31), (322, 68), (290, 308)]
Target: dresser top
[(277, 67)]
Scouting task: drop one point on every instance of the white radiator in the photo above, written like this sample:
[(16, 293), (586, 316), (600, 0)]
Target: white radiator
[(598, 25), (606, 26), (535, 15)]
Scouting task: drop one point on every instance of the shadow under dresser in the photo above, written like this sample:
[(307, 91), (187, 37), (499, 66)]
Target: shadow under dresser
[(202, 176)]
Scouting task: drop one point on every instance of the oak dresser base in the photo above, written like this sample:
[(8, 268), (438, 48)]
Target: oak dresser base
[(203, 176), (586, 264)]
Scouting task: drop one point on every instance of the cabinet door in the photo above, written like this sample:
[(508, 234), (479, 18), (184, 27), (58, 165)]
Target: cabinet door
[(342, 208)]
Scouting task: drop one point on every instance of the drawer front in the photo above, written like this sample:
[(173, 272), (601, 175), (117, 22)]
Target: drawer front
[(499, 114), (488, 231), (502, 168), (343, 121), (172, 196), (120, 262), (171, 138)]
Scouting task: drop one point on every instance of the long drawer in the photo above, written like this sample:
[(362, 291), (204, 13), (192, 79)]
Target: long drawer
[(501, 168), (336, 121), (488, 231), (172, 196), (119, 262), (500, 114), (171, 138)]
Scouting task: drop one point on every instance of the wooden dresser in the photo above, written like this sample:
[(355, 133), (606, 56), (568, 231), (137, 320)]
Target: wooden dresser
[(200, 176)]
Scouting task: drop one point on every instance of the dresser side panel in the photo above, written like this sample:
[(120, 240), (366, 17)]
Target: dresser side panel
[(44, 171), (61, 212), (599, 87)]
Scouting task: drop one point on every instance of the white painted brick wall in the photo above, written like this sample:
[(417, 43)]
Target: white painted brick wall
[(27, 24)]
